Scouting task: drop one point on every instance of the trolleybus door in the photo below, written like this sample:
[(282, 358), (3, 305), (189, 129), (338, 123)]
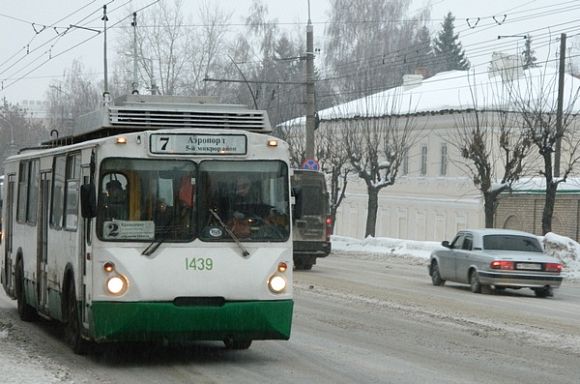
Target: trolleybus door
[(85, 255), (7, 233), (42, 236)]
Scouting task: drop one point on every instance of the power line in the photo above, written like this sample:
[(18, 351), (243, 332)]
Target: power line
[(75, 46)]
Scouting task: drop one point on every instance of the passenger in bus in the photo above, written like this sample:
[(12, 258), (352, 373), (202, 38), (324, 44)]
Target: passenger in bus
[(242, 212), (163, 217), (186, 203), (115, 201)]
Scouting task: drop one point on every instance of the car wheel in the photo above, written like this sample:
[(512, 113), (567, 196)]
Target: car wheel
[(25, 311), (436, 275), (544, 292), (474, 282)]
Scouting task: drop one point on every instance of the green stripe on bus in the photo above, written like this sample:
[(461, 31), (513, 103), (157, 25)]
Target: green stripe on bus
[(150, 321)]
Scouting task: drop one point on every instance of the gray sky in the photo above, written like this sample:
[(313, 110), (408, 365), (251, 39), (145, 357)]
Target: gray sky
[(33, 55)]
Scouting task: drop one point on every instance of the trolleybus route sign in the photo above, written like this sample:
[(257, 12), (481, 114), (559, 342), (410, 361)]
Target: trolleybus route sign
[(197, 144)]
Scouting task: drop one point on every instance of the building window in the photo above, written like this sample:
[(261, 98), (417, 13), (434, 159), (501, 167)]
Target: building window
[(423, 160), (406, 163), (443, 170)]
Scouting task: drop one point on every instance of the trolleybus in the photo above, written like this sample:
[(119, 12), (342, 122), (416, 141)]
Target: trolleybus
[(131, 229)]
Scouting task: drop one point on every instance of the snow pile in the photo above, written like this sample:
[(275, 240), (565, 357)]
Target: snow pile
[(385, 246), (566, 250)]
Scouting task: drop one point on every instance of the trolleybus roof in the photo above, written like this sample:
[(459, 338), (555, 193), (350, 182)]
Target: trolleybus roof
[(149, 112)]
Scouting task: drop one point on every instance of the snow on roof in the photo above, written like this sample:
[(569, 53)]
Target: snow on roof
[(461, 90), (538, 184)]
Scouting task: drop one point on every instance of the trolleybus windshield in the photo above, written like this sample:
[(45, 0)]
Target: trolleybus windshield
[(250, 197), (145, 200), (170, 200)]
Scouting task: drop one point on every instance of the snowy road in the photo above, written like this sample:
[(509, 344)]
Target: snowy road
[(358, 319)]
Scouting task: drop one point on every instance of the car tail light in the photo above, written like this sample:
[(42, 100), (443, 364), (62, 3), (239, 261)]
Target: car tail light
[(553, 267), (502, 264), (328, 227)]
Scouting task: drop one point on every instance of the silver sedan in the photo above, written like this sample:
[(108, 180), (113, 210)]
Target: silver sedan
[(500, 258)]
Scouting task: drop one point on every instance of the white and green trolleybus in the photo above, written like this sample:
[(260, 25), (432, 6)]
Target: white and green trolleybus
[(130, 229)]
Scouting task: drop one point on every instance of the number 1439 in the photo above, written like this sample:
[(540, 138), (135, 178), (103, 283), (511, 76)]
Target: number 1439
[(199, 264)]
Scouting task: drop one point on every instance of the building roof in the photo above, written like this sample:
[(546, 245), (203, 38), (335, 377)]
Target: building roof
[(488, 89)]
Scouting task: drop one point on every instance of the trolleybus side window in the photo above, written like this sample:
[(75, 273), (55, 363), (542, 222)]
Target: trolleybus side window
[(22, 191), (33, 188), (249, 198), (155, 200), (73, 177), (59, 170), (28, 179)]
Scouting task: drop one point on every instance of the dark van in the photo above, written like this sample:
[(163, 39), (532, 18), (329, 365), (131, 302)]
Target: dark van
[(311, 218)]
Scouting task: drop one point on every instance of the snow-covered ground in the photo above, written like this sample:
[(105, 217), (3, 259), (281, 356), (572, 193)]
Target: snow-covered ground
[(563, 248), (15, 357)]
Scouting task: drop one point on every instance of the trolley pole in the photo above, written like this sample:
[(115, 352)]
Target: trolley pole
[(106, 85), (559, 112), (309, 89), (135, 79)]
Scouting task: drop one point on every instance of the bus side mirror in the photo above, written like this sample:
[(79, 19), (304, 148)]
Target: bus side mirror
[(88, 201)]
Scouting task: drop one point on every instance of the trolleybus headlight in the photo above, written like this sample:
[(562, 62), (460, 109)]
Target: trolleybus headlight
[(117, 285), (277, 284), (272, 143)]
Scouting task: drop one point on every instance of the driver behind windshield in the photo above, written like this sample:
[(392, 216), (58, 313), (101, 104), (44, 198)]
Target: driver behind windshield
[(242, 207)]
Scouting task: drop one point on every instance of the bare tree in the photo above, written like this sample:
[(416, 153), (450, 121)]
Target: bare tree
[(75, 95), (293, 133), (494, 146), (271, 63), (382, 47), (18, 130), (330, 152), (376, 144), (173, 57), (535, 100), (334, 162)]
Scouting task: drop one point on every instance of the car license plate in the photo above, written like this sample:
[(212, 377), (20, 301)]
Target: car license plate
[(529, 266)]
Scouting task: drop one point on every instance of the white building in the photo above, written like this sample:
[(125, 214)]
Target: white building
[(433, 195)]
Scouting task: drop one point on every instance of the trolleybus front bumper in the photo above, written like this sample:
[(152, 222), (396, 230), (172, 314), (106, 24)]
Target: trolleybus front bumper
[(160, 321)]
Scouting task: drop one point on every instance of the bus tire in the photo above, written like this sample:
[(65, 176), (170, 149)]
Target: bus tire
[(237, 344), (72, 330), (25, 311)]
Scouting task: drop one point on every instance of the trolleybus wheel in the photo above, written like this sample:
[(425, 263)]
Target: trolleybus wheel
[(232, 343), (25, 311), (73, 324)]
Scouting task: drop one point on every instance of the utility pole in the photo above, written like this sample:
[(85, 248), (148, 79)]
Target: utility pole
[(559, 112), (309, 89)]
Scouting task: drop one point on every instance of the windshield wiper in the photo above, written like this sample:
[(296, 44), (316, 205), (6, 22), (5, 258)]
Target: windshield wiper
[(151, 248), (245, 252)]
